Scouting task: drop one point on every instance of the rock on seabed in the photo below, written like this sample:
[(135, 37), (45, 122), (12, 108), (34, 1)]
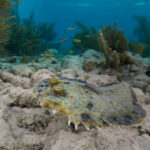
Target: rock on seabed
[(24, 125)]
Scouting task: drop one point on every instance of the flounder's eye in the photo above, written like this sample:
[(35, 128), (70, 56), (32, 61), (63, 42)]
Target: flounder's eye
[(53, 81), (66, 82), (59, 90)]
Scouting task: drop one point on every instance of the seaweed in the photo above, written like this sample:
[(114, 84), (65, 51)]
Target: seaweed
[(88, 37), (4, 35), (5, 25), (23, 40), (30, 38), (46, 32), (138, 47), (114, 46), (5, 6), (142, 31)]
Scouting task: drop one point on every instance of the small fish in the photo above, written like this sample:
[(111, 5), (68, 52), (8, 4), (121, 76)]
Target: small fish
[(87, 36), (71, 51), (71, 28), (63, 39), (77, 40)]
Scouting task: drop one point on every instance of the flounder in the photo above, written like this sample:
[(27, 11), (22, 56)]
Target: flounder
[(89, 105)]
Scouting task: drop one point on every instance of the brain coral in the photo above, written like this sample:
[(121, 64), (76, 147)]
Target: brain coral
[(114, 103)]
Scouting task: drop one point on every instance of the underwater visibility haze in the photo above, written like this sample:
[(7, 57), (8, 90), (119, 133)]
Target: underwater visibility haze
[(75, 74), (66, 19)]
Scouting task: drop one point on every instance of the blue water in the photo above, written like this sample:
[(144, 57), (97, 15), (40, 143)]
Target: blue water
[(94, 13)]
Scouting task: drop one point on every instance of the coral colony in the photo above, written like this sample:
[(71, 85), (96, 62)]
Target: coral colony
[(114, 104)]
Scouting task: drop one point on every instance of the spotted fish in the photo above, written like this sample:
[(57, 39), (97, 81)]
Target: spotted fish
[(118, 104), (114, 104)]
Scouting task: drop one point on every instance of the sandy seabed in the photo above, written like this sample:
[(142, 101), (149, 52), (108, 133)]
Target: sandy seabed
[(24, 125)]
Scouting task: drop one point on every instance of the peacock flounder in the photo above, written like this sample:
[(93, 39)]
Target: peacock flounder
[(114, 103)]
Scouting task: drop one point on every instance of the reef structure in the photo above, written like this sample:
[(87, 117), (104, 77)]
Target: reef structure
[(114, 104)]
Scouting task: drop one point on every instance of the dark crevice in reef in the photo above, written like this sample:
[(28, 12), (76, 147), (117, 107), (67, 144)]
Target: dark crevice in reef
[(144, 132), (141, 131), (2, 148), (23, 106), (148, 72)]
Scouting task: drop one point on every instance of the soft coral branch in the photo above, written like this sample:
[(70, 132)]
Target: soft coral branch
[(5, 6)]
